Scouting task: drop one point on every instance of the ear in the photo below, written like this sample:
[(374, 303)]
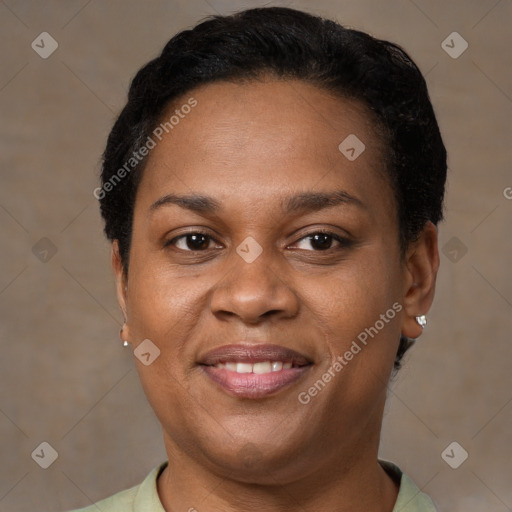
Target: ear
[(121, 282), (422, 264)]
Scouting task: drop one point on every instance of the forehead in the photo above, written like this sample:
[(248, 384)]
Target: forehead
[(260, 136)]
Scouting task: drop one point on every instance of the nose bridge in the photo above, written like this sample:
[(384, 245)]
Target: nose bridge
[(253, 265), (252, 286)]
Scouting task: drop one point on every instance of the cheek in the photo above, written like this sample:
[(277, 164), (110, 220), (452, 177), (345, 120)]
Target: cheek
[(165, 309), (359, 310), (160, 301), (353, 298)]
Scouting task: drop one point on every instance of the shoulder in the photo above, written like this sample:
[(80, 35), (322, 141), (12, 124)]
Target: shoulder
[(410, 498), (139, 498), (121, 501)]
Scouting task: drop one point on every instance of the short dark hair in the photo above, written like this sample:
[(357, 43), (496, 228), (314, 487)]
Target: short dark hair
[(288, 44)]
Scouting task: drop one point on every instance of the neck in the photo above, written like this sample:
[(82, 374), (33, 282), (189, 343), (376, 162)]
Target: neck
[(355, 482)]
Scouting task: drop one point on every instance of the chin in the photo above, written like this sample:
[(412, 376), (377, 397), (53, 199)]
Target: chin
[(259, 463)]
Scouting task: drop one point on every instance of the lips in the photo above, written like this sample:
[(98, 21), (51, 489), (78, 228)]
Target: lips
[(245, 353), (254, 371)]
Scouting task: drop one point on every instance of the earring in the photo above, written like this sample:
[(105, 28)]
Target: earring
[(125, 342), (422, 321)]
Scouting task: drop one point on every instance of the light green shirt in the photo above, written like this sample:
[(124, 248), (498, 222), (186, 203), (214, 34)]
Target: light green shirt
[(144, 497)]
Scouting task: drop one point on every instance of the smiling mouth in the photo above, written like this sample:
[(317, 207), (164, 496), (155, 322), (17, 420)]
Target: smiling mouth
[(254, 371)]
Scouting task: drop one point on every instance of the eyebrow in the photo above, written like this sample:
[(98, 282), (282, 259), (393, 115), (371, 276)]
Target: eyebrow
[(303, 202)]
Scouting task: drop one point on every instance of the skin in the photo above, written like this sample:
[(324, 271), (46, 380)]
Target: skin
[(248, 146)]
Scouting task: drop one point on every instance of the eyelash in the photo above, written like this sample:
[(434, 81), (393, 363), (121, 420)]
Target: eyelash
[(343, 242)]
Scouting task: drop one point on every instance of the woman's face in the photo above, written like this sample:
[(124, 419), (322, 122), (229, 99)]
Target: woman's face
[(259, 286)]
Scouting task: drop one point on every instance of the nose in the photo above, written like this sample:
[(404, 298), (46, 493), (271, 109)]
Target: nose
[(254, 292)]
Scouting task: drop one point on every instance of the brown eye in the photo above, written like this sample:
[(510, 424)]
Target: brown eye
[(191, 241), (322, 241)]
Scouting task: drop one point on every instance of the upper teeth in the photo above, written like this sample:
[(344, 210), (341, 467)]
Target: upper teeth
[(262, 367)]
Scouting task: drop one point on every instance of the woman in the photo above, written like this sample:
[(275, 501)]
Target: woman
[(272, 190)]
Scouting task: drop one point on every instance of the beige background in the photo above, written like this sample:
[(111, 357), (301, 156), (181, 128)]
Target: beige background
[(66, 379)]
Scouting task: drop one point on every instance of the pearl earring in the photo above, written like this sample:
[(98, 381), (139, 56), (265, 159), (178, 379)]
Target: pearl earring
[(422, 321), (125, 342)]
